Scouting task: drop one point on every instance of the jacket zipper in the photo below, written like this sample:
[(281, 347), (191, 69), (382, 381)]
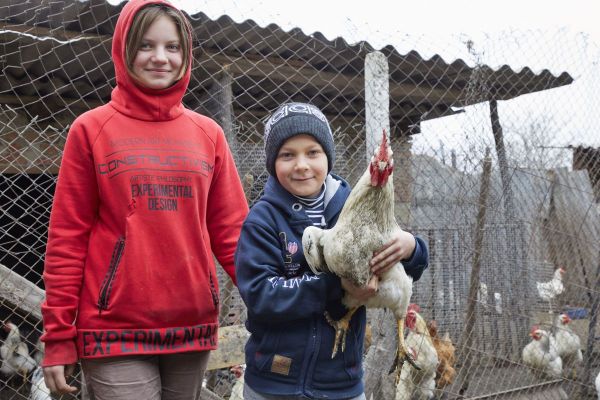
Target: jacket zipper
[(213, 291), (304, 376), (110, 275)]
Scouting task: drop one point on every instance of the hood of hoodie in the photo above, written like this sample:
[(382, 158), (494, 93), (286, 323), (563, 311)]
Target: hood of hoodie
[(129, 97)]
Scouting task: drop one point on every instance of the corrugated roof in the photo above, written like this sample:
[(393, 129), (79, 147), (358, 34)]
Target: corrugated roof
[(56, 62)]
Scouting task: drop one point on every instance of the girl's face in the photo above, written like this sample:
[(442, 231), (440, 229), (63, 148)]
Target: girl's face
[(158, 61), (301, 166)]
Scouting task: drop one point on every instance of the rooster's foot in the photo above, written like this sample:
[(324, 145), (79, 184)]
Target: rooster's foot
[(403, 353), (341, 329)]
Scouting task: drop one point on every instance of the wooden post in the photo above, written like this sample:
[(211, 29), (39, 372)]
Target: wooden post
[(377, 118), (470, 320), (377, 100), (20, 293), (222, 95), (502, 162)]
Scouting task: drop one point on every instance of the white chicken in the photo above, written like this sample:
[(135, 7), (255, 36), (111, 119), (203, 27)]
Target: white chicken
[(498, 302), (598, 385), (482, 296), (568, 344), (418, 384), (39, 390), (541, 355), (549, 290), (366, 223), (15, 354), (237, 391)]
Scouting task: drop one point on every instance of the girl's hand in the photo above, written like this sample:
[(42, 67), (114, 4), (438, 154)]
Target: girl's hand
[(361, 293), (55, 377), (400, 248)]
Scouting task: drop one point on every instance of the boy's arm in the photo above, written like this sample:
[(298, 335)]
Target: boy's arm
[(268, 294), (419, 261), (410, 250)]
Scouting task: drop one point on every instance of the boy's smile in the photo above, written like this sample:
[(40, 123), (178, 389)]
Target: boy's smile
[(301, 166)]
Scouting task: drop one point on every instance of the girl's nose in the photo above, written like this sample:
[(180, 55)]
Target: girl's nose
[(160, 55)]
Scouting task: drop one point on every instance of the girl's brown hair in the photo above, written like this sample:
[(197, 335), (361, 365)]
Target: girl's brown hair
[(142, 21)]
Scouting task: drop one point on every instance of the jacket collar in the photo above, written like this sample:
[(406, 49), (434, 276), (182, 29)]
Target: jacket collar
[(335, 196)]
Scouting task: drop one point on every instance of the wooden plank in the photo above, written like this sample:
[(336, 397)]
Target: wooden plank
[(20, 293), (230, 352)]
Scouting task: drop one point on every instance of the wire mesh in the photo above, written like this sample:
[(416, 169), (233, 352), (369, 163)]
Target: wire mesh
[(452, 101)]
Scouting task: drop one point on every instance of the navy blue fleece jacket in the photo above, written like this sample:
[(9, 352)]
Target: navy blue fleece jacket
[(289, 350)]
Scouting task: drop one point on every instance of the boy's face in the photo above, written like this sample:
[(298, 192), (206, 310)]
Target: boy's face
[(301, 166)]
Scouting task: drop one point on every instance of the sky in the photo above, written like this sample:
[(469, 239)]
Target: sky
[(554, 35)]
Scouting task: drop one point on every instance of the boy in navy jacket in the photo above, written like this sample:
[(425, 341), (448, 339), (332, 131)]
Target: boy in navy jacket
[(288, 354)]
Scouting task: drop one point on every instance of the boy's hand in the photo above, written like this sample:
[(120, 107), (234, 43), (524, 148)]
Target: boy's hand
[(400, 248), (361, 293)]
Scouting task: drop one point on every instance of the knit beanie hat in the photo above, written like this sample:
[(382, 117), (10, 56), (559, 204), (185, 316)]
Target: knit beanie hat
[(292, 119)]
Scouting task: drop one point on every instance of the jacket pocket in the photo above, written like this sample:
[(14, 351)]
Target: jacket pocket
[(105, 289)]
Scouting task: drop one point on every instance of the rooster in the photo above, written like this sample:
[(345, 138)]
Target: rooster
[(541, 355), (549, 290), (568, 344), (237, 391), (15, 354), (446, 353), (365, 224), (418, 384)]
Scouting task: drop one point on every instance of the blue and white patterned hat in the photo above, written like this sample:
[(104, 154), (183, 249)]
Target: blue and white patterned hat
[(293, 119)]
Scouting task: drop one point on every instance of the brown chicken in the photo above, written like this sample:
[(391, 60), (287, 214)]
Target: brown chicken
[(446, 354)]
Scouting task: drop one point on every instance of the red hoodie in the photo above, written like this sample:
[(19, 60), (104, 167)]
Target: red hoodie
[(147, 192)]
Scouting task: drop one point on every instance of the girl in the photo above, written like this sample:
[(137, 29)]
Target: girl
[(147, 192)]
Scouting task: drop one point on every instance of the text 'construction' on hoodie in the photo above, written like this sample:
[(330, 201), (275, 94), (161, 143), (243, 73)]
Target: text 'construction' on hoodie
[(147, 193)]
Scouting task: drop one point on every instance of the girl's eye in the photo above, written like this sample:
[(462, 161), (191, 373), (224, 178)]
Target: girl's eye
[(313, 153), (173, 47), (285, 156), (145, 46)]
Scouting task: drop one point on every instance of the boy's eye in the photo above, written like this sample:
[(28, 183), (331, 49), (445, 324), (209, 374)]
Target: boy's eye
[(313, 153), (285, 155)]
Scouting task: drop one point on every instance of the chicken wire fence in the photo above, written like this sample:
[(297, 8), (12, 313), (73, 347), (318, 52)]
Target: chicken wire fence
[(524, 104)]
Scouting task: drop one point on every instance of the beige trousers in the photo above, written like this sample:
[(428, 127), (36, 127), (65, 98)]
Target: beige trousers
[(152, 377)]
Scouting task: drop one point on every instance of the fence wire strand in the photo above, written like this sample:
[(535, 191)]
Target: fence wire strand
[(529, 99)]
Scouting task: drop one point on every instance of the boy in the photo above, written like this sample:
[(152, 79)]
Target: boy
[(288, 354)]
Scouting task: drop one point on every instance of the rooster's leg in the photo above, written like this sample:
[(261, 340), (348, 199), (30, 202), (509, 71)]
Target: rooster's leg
[(341, 328), (403, 354)]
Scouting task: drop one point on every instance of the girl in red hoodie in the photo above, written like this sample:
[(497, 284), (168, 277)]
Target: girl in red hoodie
[(147, 193)]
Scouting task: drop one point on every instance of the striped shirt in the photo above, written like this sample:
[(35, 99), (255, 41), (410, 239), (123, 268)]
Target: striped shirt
[(315, 207)]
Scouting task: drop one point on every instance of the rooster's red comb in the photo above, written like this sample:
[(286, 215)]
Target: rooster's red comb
[(383, 147)]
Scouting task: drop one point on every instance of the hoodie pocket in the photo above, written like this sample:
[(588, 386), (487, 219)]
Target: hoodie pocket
[(105, 289)]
